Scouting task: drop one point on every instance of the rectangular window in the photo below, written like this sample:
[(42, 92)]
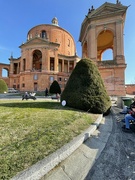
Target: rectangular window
[(15, 67), (59, 79), (51, 64), (35, 86), (23, 85), (51, 78), (69, 42), (35, 77), (71, 66), (65, 66)]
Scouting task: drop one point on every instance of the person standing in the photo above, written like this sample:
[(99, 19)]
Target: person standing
[(46, 92), (58, 96)]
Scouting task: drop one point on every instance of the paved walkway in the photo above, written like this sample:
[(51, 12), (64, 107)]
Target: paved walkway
[(117, 160), (108, 155)]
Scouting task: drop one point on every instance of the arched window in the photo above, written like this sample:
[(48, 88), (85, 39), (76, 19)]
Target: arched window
[(37, 60), (43, 34)]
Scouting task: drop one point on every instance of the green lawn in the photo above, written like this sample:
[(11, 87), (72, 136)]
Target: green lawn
[(31, 130)]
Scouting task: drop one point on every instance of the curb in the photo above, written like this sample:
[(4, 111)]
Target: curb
[(38, 170)]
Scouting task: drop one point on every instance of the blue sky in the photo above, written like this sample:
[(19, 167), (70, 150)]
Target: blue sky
[(17, 17)]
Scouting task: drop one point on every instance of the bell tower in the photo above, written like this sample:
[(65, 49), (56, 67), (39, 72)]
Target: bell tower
[(102, 30)]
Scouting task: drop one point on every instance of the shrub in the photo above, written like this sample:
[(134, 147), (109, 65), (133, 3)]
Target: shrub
[(55, 88), (85, 89), (3, 86)]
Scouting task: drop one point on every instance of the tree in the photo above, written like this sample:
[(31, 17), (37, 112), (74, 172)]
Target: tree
[(55, 88), (3, 86), (85, 89)]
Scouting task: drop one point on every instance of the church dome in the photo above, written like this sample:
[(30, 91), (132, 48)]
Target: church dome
[(53, 33)]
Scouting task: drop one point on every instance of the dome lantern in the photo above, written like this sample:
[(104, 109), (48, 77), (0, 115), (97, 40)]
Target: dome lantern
[(55, 21)]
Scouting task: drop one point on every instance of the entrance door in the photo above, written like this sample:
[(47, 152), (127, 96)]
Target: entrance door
[(35, 86)]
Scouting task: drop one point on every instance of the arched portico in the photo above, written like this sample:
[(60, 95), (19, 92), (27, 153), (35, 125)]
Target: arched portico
[(5, 77), (102, 29)]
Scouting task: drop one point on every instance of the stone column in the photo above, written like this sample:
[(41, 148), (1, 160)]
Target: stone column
[(62, 65), (91, 43), (114, 47), (21, 65), (17, 68), (29, 60), (55, 60), (43, 59), (11, 67), (47, 60), (119, 37), (68, 66)]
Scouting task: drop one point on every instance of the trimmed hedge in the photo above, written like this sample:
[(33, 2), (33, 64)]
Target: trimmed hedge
[(3, 86), (55, 88), (85, 89)]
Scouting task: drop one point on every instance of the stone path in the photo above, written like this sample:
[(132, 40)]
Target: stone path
[(117, 160)]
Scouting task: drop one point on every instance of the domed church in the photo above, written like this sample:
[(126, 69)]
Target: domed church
[(48, 54)]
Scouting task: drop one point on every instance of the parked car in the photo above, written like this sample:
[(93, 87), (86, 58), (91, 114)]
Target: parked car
[(56, 96), (12, 90)]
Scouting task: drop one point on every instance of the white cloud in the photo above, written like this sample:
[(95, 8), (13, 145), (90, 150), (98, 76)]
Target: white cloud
[(4, 48)]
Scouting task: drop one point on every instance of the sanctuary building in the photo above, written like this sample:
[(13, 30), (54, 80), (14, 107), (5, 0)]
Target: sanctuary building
[(50, 52)]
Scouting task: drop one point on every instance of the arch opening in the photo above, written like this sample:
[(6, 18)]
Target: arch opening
[(37, 60), (105, 45), (5, 72), (107, 55)]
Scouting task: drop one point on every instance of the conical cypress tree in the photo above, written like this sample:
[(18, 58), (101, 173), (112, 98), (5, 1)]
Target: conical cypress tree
[(85, 89), (55, 88)]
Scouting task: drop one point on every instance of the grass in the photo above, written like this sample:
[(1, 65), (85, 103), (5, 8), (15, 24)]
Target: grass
[(31, 130)]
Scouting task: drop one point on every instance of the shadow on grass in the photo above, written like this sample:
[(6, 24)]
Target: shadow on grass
[(35, 104)]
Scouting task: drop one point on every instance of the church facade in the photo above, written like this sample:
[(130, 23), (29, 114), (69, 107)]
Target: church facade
[(50, 52)]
